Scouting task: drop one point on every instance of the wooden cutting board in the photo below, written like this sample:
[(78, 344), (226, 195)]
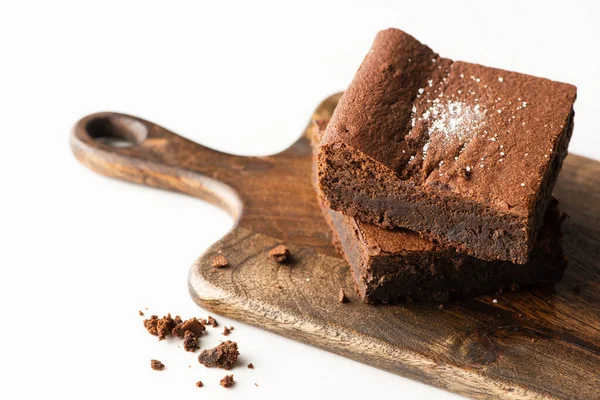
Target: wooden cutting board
[(537, 344)]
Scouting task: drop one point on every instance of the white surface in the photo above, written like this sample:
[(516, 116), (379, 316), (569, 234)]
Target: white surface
[(81, 253)]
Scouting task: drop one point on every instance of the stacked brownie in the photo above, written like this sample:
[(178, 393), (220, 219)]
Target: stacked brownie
[(436, 176)]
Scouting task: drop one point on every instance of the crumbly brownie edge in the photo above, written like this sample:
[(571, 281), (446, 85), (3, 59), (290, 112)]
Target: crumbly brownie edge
[(544, 194)]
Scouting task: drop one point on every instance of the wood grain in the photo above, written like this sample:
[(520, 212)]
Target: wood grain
[(539, 344)]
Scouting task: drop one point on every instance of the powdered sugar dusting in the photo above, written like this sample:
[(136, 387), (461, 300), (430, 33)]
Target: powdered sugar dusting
[(451, 121)]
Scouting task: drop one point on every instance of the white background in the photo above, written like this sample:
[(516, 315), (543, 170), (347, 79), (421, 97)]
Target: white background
[(81, 254)]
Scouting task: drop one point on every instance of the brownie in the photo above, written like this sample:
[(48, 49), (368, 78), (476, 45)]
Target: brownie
[(190, 341), (227, 381), (157, 365), (280, 253), (391, 265), (394, 265), (212, 322), (193, 325), (461, 153), (220, 262), (224, 355)]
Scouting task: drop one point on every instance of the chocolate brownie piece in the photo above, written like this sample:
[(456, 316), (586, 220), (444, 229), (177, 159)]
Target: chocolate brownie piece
[(190, 341), (157, 365), (227, 381), (280, 253), (394, 265), (220, 261), (224, 355), (461, 153), (193, 325)]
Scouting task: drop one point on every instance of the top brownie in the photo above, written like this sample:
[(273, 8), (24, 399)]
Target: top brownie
[(461, 153)]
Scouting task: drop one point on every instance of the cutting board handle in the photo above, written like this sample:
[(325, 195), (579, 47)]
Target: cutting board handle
[(136, 150)]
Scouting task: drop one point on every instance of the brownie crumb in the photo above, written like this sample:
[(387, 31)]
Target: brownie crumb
[(342, 297), (193, 325), (212, 322), (150, 324), (227, 331), (220, 261), (441, 306), (141, 313), (199, 384), (227, 381), (224, 356), (164, 326), (190, 341), (157, 365), (280, 253), (250, 366)]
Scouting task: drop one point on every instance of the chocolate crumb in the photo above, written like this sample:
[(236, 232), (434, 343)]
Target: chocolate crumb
[(199, 384), (226, 331), (224, 355), (157, 365), (190, 341), (256, 384), (250, 366), (150, 325), (514, 287), (342, 298), (220, 261), (441, 306), (141, 313), (227, 381), (193, 325), (212, 322), (280, 253), (164, 326)]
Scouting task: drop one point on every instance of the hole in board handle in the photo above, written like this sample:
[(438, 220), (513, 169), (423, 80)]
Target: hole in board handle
[(117, 131)]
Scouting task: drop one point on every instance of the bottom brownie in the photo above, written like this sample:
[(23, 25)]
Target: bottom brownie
[(395, 265)]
